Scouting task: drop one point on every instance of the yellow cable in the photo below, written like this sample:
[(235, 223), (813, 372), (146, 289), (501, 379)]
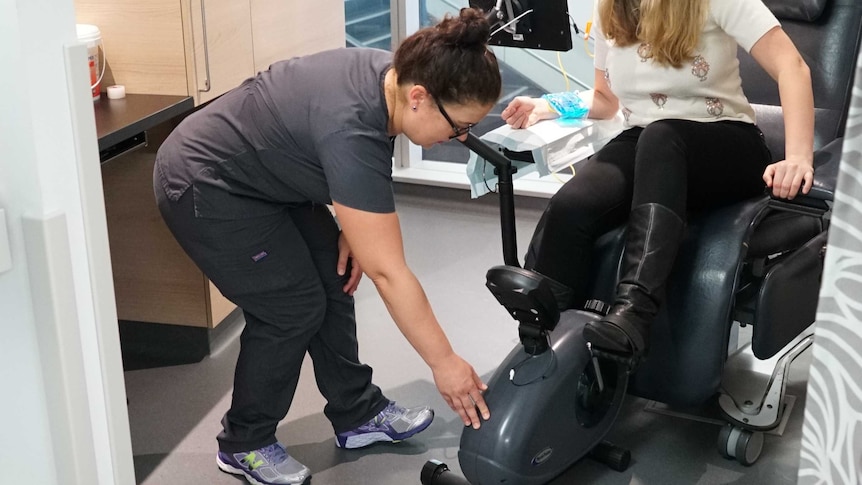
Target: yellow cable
[(572, 167), (587, 38), (563, 69), (566, 79)]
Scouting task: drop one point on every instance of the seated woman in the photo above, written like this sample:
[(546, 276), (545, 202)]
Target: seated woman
[(690, 143)]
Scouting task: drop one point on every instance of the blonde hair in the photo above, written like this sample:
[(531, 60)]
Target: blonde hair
[(671, 27)]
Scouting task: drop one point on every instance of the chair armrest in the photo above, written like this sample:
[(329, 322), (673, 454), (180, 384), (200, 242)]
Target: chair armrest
[(826, 165)]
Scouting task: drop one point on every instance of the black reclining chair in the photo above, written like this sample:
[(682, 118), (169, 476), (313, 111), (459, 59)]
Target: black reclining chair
[(758, 262)]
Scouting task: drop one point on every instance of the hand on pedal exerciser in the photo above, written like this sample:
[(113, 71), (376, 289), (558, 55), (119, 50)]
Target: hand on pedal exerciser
[(462, 390)]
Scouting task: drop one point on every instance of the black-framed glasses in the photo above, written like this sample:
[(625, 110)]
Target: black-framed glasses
[(459, 130)]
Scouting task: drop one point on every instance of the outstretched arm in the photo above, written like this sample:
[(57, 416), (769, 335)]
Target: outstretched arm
[(524, 111), (777, 55), (375, 241)]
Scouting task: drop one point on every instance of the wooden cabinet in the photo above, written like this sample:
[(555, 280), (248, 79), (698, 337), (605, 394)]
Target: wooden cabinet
[(290, 28), (222, 54), (202, 48), (154, 280)]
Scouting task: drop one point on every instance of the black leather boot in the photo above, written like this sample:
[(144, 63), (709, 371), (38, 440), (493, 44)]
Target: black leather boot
[(652, 239)]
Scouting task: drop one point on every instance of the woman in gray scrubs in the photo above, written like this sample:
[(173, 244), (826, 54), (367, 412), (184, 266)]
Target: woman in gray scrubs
[(244, 184)]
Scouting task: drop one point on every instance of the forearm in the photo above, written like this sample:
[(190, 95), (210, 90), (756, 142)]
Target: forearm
[(410, 309), (603, 103), (602, 107), (797, 103), (376, 243)]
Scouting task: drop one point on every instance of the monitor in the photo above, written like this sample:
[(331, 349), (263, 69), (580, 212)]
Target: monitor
[(531, 24)]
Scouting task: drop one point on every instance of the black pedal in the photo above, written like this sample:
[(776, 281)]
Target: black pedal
[(630, 362)]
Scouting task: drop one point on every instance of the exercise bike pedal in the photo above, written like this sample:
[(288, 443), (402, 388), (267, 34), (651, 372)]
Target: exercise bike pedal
[(628, 361), (615, 457)]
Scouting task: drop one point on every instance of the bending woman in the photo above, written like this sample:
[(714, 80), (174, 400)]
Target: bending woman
[(244, 185), (690, 144)]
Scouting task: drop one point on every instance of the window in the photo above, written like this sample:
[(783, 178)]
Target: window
[(369, 23)]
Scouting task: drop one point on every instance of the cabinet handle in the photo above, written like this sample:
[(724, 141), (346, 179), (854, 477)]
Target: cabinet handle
[(207, 85)]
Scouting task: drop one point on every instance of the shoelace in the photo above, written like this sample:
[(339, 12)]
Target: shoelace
[(380, 418), (382, 415), (274, 453), (390, 410)]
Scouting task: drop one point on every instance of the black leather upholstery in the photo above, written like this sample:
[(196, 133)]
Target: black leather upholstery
[(788, 294), (803, 10), (723, 262), (829, 46)]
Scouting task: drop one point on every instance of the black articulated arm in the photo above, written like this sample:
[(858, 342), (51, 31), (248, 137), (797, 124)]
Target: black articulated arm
[(504, 170)]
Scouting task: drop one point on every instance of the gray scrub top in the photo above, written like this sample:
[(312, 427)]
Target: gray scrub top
[(309, 129)]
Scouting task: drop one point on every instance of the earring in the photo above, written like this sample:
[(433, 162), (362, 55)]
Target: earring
[(413, 107)]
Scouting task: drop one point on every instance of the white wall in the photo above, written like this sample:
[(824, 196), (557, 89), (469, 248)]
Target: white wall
[(59, 387)]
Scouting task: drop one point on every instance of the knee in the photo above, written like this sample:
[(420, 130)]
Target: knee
[(566, 219), (661, 135), (662, 151), (294, 313), (560, 210), (309, 307)]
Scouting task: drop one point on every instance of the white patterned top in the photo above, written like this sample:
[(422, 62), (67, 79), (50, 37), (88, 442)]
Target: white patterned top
[(708, 88)]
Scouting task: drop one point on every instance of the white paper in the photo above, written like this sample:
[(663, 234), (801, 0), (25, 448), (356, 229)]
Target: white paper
[(553, 144)]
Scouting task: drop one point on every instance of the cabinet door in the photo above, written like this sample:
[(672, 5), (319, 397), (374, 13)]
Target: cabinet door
[(221, 49), (143, 43), (154, 280), (282, 29)]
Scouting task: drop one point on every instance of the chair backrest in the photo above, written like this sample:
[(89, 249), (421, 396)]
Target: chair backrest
[(828, 34)]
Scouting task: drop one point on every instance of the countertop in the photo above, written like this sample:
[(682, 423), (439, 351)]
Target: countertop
[(121, 120)]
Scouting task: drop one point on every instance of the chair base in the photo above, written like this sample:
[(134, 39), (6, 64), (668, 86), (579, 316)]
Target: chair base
[(753, 390)]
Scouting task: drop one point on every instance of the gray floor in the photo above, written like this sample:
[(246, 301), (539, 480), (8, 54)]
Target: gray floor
[(451, 241)]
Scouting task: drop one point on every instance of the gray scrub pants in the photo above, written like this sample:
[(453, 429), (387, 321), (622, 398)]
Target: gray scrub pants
[(281, 270)]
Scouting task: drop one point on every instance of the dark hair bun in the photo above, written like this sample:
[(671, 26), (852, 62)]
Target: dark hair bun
[(470, 30)]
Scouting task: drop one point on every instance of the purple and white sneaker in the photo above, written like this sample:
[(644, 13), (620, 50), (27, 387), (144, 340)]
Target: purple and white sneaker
[(270, 465), (393, 424)]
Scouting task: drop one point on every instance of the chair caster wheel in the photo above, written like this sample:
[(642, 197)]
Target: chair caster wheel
[(741, 444)]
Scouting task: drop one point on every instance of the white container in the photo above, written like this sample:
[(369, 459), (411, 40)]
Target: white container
[(92, 36)]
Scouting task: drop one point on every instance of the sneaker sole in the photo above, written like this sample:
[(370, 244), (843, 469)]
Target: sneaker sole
[(228, 468), (367, 439)]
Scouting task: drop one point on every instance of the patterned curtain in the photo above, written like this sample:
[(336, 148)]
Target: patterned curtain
[(832, 431)]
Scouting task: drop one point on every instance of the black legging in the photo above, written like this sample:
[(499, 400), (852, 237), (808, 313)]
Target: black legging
[(683, 165)]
